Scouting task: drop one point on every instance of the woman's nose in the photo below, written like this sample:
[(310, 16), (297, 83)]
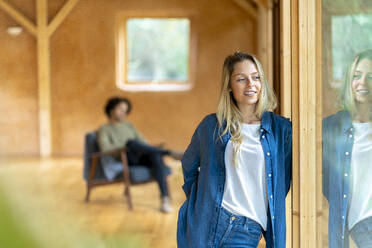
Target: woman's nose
[(249, 81), (363, 80)]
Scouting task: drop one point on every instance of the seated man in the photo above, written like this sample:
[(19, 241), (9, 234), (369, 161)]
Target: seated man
[(119, 133)]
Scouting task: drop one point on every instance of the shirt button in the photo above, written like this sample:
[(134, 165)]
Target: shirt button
[(268, 154), (273, 216), (350, 135), (342, 236), (343, 217), (269, 175), (345, 174), (347, 153), (271, 196), (261, 130), (344, 196), (233, 218), (263, 136)]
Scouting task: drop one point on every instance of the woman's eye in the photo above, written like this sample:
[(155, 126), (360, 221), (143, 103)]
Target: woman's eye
[(256, 78), (241, 80), (356, 76)]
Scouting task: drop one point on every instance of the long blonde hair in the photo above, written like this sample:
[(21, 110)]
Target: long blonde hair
[(228, 110), (346, 97)]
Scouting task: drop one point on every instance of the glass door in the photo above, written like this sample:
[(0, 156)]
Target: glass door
[(346, 130)]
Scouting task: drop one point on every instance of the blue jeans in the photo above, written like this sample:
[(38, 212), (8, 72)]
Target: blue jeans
[(362, 233), (234, 231), (144, 154), (140, 154)]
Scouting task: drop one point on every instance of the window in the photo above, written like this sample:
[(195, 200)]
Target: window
[(346, 137), (154, 53)]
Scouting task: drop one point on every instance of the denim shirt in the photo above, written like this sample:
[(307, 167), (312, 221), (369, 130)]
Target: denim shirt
[(204, 173), (337, 141)]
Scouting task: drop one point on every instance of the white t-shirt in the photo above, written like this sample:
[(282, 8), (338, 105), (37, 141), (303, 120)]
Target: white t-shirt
[(245, 185), (360, 204)]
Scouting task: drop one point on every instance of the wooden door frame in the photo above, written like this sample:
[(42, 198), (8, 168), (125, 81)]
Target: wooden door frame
[(301, 97)]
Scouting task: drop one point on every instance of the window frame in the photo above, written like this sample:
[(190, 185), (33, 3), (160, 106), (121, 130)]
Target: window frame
[(121, 53)]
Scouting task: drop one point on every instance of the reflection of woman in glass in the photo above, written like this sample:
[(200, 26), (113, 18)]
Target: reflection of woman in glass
[(347, 159), (237, 168)]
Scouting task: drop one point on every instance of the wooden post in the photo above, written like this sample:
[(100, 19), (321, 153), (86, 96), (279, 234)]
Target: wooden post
[(295, 127), (265, 38), (307, 97), (317, 30), (286, 93), (43, 55), (269, 43), (262, 37), (306, 109)]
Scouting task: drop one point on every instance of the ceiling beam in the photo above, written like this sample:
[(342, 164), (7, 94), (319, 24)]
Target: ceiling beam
[(60, 17), (18, 17)]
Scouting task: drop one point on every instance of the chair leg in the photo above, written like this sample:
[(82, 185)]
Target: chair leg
[(129, 197), (92, 173), (87, 196), (124, 160)]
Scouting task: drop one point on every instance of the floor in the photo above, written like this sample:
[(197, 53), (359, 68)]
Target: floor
[(47, 197)]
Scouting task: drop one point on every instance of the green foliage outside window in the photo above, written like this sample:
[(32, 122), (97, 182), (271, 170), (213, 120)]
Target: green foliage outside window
[(157, 49), (351, 34)]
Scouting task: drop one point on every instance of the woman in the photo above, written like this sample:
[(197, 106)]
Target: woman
[(347, 156), (237, 168)]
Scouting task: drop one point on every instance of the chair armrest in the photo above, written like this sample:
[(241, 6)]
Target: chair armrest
[(123, 155), (92, 170), (111, 152)]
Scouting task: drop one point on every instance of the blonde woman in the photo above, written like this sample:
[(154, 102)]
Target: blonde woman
[(347, 156), (237, 168)]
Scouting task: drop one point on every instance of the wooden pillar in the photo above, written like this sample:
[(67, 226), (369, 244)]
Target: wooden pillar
[(306, 101), (286, 93), (306, 109), (265, 38), (43, 55), (295, 126), (301, 96)]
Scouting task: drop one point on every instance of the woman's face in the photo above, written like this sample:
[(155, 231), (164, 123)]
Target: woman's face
[(362, 81), (246, 83)]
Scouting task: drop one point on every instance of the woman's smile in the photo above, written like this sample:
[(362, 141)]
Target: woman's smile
[(250, 93), (362, 91)]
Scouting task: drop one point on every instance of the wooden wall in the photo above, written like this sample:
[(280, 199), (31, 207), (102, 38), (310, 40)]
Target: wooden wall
[(18, 89), (83, 74)]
